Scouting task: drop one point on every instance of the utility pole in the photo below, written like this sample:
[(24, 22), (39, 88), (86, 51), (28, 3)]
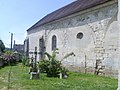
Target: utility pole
[(11, 40)]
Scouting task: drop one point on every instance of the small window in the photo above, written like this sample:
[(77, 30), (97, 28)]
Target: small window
[(54, 42), (80, 35)]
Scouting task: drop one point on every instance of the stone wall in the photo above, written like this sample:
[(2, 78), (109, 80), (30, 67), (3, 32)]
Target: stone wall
[(99, 41)]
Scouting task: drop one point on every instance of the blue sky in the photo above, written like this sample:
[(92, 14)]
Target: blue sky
[(16, 16)]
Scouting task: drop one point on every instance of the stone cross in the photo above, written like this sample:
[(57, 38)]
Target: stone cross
[(35, 55), (34, 69)]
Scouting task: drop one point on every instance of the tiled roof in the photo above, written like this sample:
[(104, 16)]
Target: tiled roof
[(74, 7)]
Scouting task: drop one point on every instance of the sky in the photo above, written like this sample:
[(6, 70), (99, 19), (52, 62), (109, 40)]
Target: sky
[(16, 16)]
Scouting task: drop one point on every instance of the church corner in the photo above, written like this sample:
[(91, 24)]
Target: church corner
[(119, 44)]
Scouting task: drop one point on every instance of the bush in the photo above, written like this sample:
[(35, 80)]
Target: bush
[(2, 47), (43, 66), (8, 58), (1, 63), (25, 60), (51, 66), (19, 57)]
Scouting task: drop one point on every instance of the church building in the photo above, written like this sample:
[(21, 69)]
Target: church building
[(88, 28)]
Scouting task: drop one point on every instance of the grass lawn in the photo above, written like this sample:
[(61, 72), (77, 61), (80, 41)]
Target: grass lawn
[(76, 81)]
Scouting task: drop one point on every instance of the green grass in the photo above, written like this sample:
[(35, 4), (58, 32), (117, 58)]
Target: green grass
[(76, 81)]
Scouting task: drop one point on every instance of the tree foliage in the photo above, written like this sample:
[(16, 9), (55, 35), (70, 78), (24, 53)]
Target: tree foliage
[(51, 65), (2, 46)]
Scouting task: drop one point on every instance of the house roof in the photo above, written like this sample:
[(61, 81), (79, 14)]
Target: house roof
[(18, 47), (74, 7)]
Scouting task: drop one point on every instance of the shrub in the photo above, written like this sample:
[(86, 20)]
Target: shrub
[(43, 66), (2, 47), (8, 58), (19, 56), (51, 65), (25, 60), (1, 63)]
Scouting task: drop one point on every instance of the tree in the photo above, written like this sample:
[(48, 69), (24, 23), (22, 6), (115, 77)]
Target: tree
[(2, 46)]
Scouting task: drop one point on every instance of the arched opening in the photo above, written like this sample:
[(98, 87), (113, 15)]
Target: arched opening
[(54, 42)]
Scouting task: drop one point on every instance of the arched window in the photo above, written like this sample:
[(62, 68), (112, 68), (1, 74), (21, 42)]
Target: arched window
[(80, 35), (54, 42)]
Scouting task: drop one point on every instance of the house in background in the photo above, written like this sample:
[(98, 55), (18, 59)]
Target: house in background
[(89, 28), (19, 48)]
